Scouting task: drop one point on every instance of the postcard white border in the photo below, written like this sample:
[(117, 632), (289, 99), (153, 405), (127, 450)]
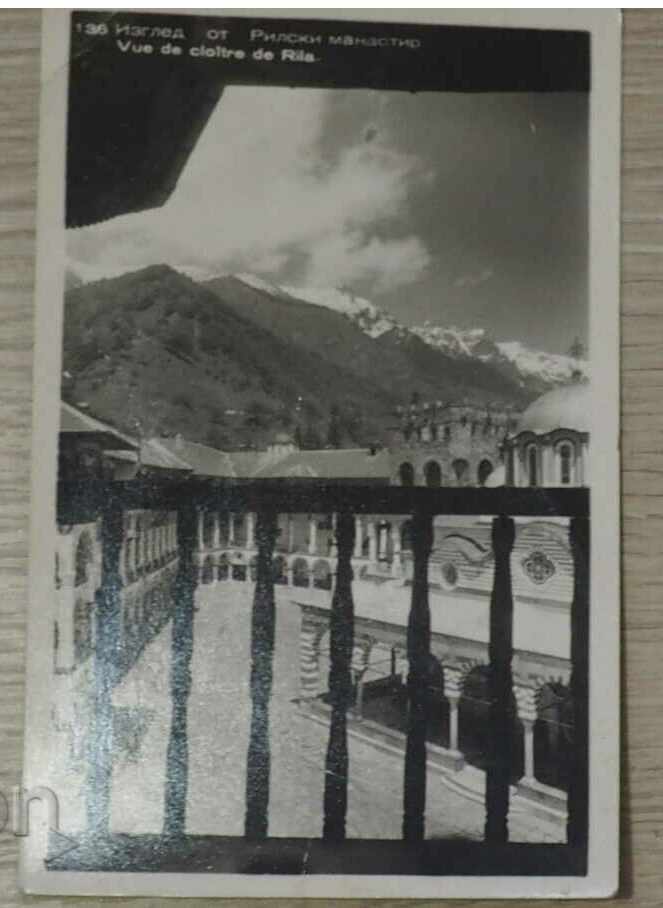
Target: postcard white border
[(602, 877)]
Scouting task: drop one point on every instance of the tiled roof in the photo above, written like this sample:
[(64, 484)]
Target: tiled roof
[(352, 463), (75, 421), (202, 459), (154, 453), (179, 454)]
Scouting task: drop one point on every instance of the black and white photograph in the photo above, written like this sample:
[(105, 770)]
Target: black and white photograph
[(331, 389)]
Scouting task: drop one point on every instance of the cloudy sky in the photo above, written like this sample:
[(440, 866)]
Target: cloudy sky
[(461, 209)]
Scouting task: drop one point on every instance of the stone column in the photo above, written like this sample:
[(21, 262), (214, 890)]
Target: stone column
[(396, 566), (231, 529), (372, 542), (526, 702), (452, 691), (359, 539), (309, 667), (291, 533), (382, 543), (312, 535), (201, 530), (130, 543), (216, 537), (250, 530), (333, 548)]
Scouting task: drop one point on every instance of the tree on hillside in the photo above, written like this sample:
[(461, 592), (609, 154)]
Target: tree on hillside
[(334, 433), (258, 415), (311, 437)]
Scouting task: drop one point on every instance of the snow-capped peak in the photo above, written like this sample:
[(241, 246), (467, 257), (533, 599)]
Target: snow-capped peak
[(365, 314), (455, 341), (259, 284), (551, 367), (461, 343)]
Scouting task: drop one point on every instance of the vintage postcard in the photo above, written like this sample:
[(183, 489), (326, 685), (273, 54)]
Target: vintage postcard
[(325, 513)]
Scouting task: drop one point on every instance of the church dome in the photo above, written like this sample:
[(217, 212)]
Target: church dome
[(564, 408)]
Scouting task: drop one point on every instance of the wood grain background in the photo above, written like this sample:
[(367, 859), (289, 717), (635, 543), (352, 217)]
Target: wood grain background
[(642, 427)]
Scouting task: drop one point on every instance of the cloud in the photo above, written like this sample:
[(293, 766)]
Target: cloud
[(261, 193), (474, 280), (384, 264)]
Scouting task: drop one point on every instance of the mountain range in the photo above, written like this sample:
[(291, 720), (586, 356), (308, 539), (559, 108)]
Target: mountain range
[(234, 360)]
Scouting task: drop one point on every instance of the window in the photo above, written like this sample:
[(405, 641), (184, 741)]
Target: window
[(532, 465), (565, 453), (484, 471), (449, 575), (433, 474), (406, 474), (461, 470)]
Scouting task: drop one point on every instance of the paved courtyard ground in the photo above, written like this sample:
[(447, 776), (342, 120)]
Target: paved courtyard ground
[(219, 714)]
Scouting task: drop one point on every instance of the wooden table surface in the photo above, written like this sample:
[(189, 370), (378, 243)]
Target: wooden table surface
[(642, 414)]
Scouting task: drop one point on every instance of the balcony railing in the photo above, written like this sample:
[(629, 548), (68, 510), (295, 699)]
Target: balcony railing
[(256, 852)]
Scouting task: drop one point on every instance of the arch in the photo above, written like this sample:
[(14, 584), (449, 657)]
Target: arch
[(484, 471), (553, 735), (83, 559), (300, 572), (566, 462), (239, 528), (280, 568), (223, 568), (461, 470), (322, 575), (208, 571), (532, 461), (208, 529), (435, 674), (474, 722), (433, 474), (406, 474), (438, 724)]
